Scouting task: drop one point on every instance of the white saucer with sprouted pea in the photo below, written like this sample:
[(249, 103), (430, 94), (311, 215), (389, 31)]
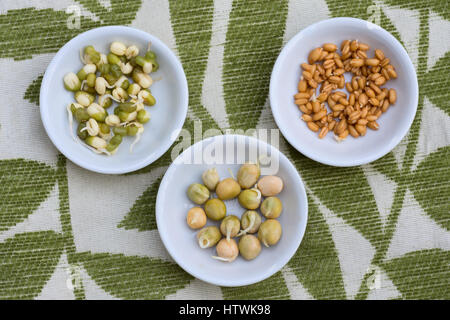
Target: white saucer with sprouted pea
[(231, 224)]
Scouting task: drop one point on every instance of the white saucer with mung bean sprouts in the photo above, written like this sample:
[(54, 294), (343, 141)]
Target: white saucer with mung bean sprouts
[(94, 145)]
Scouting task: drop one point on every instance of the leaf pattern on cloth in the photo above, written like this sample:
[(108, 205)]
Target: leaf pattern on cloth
[(33, 91), (273, 288), (421, 274), (255, 30), (438, 6), (436, 82), (253, 41), (431, 186), (132, 277), (25, 184), (27, 262), (316, 263), (346, 192), (142, 214), (46, 30)]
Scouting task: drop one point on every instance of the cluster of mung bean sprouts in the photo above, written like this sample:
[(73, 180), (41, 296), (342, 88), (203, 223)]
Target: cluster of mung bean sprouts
[(250, 190), (121, 76)]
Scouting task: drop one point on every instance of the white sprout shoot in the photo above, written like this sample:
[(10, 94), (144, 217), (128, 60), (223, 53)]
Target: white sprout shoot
[(82, 84), (70, 117), (82, 57), (250, 226), (107, 95), (138, 137), (229, 228), (231, 173), (222, 259), (203, 242)]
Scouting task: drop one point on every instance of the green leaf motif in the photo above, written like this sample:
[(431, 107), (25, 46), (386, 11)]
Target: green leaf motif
[(253, 41), (436, 82), (346, 192), (25, 184), (46, 30), (192, 27), (431, 186), (120, 11), (142, 214), (132, 277), (27, 262), (421, 274), (349, 8), (40, 31), (362, 9), (273, 288), (438, 6), (316, 263), (33, 90)]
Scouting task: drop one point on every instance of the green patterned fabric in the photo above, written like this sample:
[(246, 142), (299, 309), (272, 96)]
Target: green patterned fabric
[(378, 231)]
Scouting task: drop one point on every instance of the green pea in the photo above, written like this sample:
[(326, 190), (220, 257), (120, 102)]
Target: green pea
[(133, 62), (73, 109), (81, 115), (155, 65), (132, 130), (125, 84), (110, 78), (81, 75), (113, 59), (104, 128), (107, 103), (90, 90), (150, 100), (90, 50), (123, 116), (82, 134), (114, 143), (105, 68), (121, 131), (127, 107), (150, 55), (115, 71), (90, 80), (143, 116), (92, 54)]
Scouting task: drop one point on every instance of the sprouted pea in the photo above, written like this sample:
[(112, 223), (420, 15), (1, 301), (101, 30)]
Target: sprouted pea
[(227, 250), (230, 226)]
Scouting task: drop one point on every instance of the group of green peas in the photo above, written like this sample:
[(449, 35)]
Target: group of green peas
[(121, 75), (248, 188)]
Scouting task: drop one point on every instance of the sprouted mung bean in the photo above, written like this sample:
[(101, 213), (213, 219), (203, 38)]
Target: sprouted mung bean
[(250, 197), (109, 78), (350, 113)]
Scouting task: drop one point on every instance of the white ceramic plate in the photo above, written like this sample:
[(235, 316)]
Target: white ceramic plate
[(394, 124), (172, 205), (168, 115)]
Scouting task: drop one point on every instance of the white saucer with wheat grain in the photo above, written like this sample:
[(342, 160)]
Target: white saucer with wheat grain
[(172, 205), (394, 124)]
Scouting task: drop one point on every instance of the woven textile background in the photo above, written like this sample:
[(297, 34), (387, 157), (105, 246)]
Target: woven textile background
[(378, 231)]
